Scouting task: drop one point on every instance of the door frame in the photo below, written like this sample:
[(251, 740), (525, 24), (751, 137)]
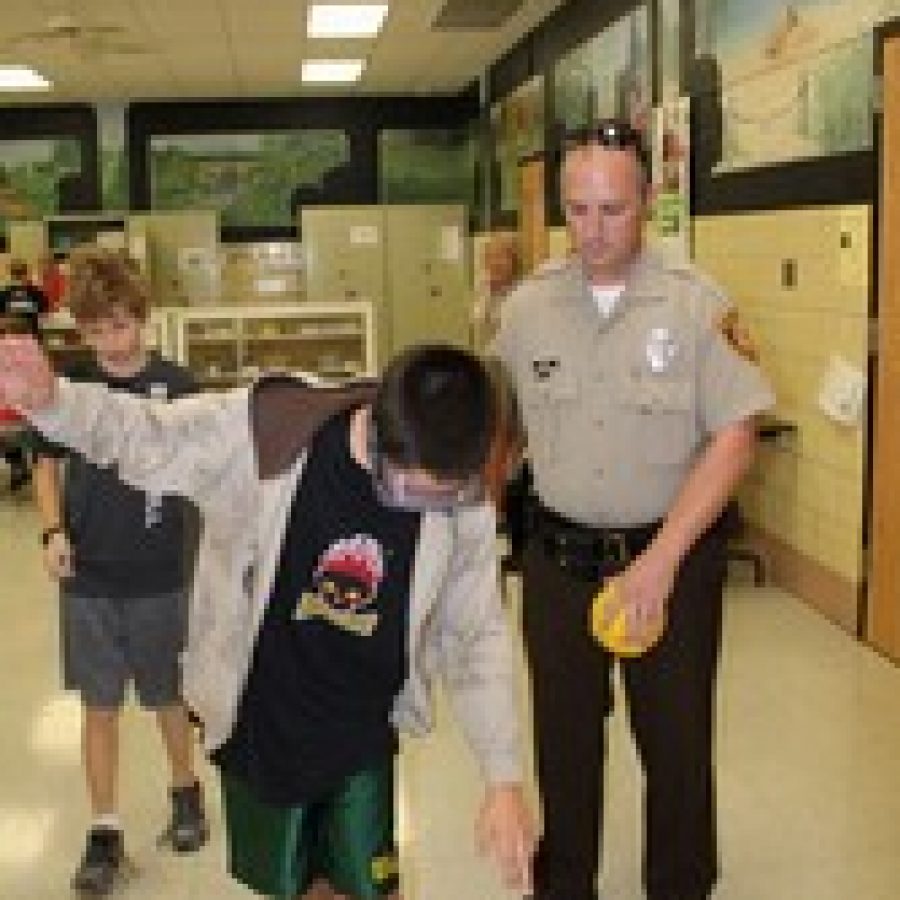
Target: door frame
[(883, 34)]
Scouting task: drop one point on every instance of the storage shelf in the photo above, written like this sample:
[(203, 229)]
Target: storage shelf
[(290, 338), (333, 340), (207, 339)]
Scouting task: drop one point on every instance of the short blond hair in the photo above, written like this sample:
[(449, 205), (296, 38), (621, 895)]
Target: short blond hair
[(101, 280)]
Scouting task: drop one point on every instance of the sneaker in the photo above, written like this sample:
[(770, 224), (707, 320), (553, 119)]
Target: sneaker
[(188, 829), (102, 864)]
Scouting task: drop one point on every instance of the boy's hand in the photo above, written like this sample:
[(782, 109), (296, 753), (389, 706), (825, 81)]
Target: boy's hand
[(59, 557), (505, 831), (27, 380)]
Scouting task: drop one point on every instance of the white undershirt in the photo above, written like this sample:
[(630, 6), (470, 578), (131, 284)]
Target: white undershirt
[(607, 297)]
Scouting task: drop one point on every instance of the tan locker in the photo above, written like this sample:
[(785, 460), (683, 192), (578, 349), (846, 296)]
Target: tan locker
[(427, 252), (182, 252), (344, 253), (28, 241)]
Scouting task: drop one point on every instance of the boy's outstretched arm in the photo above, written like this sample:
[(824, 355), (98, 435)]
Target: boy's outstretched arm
[(197, 447)]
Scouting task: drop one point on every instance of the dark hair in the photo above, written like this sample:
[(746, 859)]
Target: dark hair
[(436, 409), (615, 134)]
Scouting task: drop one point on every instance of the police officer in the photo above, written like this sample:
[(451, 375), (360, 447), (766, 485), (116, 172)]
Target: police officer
[(638, 412)]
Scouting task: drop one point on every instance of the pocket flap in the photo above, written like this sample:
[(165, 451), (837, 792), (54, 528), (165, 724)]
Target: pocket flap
[(659, 395)]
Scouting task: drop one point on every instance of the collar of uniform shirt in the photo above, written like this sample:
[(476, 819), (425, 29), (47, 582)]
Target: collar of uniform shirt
[(607, 297)]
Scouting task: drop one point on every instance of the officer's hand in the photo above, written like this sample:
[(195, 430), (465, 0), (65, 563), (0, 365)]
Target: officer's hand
[(27, 381), (59, 557), (644, 589), (505, 831)]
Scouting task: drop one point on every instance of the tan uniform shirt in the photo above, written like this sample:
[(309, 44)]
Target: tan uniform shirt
[(616, 410)]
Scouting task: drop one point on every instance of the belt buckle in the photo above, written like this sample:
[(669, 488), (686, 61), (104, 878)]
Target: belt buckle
[(615, 547)]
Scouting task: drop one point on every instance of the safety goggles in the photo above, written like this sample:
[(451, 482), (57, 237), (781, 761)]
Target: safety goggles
[(415, 491)]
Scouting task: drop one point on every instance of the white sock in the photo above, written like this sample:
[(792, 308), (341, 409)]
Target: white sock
[(107, 820)]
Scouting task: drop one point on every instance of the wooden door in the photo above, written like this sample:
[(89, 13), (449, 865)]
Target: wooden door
[(532, 216), (884, 591)]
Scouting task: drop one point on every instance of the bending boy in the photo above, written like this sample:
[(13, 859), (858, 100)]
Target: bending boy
[(349, 557)]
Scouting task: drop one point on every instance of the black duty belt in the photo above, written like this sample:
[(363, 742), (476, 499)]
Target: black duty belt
[(589, 553)]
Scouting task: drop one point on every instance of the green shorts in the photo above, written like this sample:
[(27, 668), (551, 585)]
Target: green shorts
[(346, 838)]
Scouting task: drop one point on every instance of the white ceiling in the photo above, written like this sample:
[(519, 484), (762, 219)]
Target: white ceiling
[(242, 48)]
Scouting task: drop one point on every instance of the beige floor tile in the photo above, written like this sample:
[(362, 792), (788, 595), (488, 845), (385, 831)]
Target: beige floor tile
[(809, 776)]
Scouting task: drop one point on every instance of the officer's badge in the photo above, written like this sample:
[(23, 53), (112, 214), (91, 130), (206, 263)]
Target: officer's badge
[(735, 332), (662, 350), (345, 586)]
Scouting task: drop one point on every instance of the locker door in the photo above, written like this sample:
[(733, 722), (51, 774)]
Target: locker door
[(182, 250), (343, 248), (28, 241), (428, 274)]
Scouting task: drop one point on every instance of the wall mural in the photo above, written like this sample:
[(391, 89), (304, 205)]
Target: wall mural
[(517, 131), (607, 77), (427, 165), (30, 174), (796, 76), (251, 179)]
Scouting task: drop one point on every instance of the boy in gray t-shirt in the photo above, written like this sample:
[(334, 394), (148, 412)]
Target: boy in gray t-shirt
[(122, 561)]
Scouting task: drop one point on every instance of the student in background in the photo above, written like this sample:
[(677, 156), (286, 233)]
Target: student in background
[(22, 306), (53, 282), (23, 300), (120, 556)]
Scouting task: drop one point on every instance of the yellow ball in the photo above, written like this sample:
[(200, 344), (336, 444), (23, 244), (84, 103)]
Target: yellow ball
[(613, 635)]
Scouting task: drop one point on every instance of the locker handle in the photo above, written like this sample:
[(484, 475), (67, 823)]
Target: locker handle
[(435, 292)]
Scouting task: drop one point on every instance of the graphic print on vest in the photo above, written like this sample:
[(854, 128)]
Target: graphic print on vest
[(345, 586)]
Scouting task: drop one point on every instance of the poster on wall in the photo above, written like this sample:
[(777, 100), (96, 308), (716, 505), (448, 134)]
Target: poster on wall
[(427, 165), (607, 77), (250, 178), (517, 132), (671, 155), (31, 172), (796, 76)]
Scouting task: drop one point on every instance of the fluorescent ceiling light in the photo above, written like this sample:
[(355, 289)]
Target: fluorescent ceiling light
[(21, 78), (345, 20), (332, 71)]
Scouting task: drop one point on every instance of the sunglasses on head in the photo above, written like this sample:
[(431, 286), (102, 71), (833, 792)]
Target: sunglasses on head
[(610, 133), (398, 488)]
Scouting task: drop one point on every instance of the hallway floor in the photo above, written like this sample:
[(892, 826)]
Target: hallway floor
[(809, 774)]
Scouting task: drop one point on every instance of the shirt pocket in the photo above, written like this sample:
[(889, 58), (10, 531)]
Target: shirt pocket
[(664, 411), (551, 395)]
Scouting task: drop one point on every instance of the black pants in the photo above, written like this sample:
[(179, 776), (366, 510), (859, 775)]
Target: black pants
[(670, 695)]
